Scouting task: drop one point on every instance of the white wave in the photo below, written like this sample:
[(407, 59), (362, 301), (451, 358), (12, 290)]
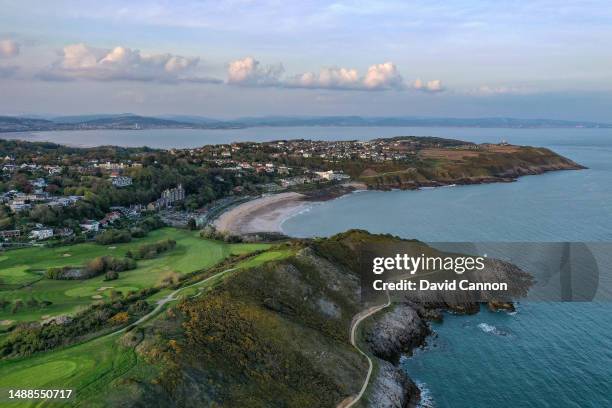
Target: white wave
[(426, 400), (487, 328), (490, 329)]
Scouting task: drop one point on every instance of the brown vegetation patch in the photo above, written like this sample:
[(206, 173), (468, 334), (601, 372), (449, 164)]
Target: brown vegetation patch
[(369, 173), (501, 148), (448, 154)]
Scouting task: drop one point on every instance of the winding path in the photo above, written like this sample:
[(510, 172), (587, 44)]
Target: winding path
[(359, 317), (161, 302)]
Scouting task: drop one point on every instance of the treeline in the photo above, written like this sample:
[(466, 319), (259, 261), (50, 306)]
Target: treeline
[(95, 267), (19, 304), (30, 338), (124, 235), (149, 251)]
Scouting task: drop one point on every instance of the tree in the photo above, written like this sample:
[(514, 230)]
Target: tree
[(191, 224)]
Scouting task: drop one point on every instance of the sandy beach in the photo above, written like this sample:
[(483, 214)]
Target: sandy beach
[(265, 214)]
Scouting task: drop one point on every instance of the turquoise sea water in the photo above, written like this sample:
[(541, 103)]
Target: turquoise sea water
[(545, 355)]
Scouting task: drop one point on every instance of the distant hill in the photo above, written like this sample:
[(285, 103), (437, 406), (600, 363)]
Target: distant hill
[(132, 121), (13, 124), (87, 118)]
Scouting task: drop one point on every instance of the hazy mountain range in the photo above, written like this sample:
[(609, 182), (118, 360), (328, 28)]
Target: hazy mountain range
[(137, 122)]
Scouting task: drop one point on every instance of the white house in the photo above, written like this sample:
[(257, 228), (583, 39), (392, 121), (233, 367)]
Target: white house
[(40, 234), (121, 181), (93, 226), (331, 175)]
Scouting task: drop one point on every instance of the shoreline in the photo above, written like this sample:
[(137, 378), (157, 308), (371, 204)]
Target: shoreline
[(263, 214), (266, 214)]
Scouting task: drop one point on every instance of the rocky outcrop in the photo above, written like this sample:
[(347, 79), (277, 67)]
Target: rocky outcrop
[(392, 388), (390, 335), (396, 332)]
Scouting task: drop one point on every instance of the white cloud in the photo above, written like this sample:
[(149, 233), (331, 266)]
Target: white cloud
[(486, 90), (248, 71), (429, 86), (330, 78), (383, 76), (378, 77), (81, 61), (9, 48)]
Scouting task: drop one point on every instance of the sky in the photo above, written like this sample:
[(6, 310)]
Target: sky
[(227, 59)]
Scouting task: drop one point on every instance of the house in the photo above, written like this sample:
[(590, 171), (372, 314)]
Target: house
[(110, 218), (39, 183), (53, 170), (10, 234), (90, 226), (121, 181), (331, 175), (18, 206), (64, 232), (41, 234)]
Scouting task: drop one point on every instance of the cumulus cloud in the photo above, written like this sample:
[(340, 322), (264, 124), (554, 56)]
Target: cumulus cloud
[(9, 49), (81, 61), (378, 77), (249, 71), (331, 78), (429, 86), (383, 76)]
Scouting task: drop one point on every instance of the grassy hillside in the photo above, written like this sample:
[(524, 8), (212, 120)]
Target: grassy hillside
[(26, 267), (268, 331), (460, 165)]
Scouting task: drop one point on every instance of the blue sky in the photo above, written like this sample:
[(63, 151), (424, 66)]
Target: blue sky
[(235, 58)]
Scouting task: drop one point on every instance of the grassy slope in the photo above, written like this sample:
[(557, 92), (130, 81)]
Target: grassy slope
[(191, 253), (272, 333), (87, 368), (96, 367), (282, 320), (487, 163)]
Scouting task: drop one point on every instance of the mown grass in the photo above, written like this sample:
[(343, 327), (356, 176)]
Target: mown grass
[(192, 253), (86, 368)]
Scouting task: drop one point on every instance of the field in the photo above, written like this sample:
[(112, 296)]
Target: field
[(22, 271), (86, 368), (95, 367)]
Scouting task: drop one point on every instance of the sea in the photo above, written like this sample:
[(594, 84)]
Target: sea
[(547, 354)]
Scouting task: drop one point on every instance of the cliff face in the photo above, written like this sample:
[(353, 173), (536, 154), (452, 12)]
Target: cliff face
[(392, 388), (395, 332), (388, 335)]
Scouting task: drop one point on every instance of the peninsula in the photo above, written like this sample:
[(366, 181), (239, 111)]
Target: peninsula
[(322, 170)]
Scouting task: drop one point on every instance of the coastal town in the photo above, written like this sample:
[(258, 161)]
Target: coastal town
[(52, 192)]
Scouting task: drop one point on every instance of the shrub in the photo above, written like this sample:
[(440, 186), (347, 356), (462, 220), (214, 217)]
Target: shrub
[(113, 236), (111, 275), (149, 251), (96, 266), (120, 318), (138, 232)]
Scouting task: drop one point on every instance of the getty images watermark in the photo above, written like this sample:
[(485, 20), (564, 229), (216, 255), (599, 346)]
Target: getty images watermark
[(479, 272)]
